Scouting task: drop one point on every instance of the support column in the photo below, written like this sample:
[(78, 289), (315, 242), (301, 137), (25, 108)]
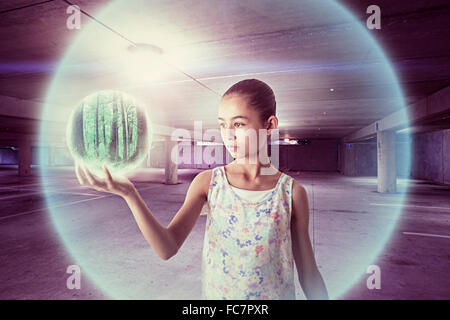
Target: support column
[(171, 166), (386, 170), (24, 158), (147, 159)]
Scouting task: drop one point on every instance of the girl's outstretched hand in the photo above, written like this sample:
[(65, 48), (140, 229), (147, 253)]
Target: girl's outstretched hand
[(120, 186)]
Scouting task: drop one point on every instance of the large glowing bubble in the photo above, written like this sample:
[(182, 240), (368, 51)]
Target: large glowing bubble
[(109, 127), (105, 241)]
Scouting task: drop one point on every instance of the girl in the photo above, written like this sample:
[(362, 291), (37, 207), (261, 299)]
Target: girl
[(257, 224)]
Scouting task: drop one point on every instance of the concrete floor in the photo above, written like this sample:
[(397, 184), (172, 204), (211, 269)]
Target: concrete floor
[(347, 218)]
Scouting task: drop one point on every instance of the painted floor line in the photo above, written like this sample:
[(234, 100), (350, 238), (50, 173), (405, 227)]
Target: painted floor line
[(34, 190), (407, 205), (75, 193), (57, 188), (55, 191), (19, 186), (37, 210), (69, 192), (67, 204), (19, 195), (23, 195), (427, 235), (30, 186)]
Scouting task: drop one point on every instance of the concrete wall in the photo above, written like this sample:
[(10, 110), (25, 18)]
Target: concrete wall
[(446, 156), (360, 159), (187, 152), (8, 156), (318, 155), (431, 156), (62, 156)]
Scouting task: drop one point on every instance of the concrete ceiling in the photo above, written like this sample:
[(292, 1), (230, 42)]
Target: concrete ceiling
[(301, 51)]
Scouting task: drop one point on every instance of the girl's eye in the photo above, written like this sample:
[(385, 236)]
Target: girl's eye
[(236, 124)]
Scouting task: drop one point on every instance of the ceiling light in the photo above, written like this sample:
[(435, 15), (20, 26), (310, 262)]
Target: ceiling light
[(143, 62), (145, 47)]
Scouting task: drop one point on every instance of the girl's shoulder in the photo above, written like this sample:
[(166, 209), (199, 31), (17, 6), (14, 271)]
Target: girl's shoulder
[(298, 189), (202, 181)]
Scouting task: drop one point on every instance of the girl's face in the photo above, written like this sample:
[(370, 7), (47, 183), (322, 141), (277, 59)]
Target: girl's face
[(240, 127)]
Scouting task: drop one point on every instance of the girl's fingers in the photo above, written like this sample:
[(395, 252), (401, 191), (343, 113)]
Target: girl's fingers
[(80, 175), (107, 173), (77, 174), (91, 178), (88, 177), (85, 177)]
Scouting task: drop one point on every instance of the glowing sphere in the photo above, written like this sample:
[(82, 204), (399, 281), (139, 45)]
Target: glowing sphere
[(109, 127)]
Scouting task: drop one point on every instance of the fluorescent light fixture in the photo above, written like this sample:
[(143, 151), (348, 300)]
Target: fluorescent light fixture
[(142, 62), (405, 130)]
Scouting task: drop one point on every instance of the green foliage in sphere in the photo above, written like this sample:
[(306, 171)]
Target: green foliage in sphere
[(109, 127)]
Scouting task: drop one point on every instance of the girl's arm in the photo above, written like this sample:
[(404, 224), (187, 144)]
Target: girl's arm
[(308, 274), (165, 241)]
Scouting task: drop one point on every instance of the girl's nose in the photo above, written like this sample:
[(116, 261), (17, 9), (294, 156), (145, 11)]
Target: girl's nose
[(229, 133), (228, 136)]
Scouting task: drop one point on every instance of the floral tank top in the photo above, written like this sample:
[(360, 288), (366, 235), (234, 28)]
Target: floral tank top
[(247, 248)]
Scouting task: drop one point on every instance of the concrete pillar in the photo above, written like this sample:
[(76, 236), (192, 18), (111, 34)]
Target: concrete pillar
[(24, 158), (51, 156), (147, 159), (386, 164), (171, 166)]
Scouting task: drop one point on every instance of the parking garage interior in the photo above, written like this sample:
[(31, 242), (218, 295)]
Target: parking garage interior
[(364, 126)]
